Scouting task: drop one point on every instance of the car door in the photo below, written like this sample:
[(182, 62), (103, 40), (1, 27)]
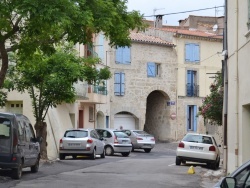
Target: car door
[(98, 143)]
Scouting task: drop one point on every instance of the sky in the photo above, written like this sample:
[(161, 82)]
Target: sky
[(147, 8)]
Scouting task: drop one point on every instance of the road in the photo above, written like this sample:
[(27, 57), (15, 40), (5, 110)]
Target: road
[(139, 170)]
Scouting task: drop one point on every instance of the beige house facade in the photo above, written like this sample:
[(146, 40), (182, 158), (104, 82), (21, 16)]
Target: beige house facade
[(238, 127)]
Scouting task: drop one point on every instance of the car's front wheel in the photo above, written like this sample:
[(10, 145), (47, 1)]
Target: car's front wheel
[(178, 161), (61, 156), (125, 154)]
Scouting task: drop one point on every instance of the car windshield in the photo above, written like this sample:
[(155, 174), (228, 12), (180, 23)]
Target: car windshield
[(120, 134), (141, 132), (76, 134), (198, 139), (5, 130)]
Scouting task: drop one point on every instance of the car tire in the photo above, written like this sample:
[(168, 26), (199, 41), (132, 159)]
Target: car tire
[(93, 155), (183, 162), (147, 150), (125, 154), (74, 156), (178, 161), (215, 165), (17, 172), (103, 154), (109, 150), (35, 167), (61, 156), (133, 149)]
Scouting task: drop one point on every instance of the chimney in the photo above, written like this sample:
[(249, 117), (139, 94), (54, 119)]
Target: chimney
[(158, 21)]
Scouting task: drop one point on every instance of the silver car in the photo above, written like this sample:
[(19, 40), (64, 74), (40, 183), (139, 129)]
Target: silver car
[(141, 140), (115, 142), (81, 142)]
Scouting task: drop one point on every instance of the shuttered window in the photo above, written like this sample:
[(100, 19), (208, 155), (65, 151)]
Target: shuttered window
[(119, 83), (122, 55), (153, 69), (101, 47), (192, 52), (192, 118), (191, 83)]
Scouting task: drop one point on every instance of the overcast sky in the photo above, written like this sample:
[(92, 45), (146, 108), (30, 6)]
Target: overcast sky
[(147, 8)]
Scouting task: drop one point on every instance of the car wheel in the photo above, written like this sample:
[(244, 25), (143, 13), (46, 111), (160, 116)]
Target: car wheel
[(61, 156), (183, 162), (103, 154), (74, 156), (17, 172), (92, 156), (109, 150), (147, 150), (35, 168), (178, 161), (215, 165), (125, 154)]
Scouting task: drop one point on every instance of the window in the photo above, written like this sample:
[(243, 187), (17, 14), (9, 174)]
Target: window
[(122, 55), (153, 69), (243, 178), (192, 53), (100, 47), (192, 118), (119, 83), (192, 89), (91, 113)]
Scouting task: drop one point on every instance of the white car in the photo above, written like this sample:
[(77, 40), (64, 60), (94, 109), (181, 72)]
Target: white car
[(81, 142), (200, 148)]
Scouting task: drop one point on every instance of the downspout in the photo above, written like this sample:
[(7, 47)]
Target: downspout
[(225, 77), (237, 87)]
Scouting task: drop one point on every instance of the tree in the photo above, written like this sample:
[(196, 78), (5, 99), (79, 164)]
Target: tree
[(49, 81), (27, 25), (212, 105)]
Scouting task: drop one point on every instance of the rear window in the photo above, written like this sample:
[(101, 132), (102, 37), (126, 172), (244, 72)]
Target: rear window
[(120, 134), (76, 134), (5, 135), (198, 139)]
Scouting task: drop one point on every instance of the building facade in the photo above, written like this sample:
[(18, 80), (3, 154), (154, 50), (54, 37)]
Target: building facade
[(238, 29)]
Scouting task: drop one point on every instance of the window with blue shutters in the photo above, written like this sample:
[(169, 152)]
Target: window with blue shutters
[(122, 55), (192, 118), (153, 69), (119, 84), (192, 89), (192, 53)]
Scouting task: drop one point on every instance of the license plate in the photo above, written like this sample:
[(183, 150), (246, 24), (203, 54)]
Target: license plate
[(124, 141), (147, 145), (74, 144), (196, 147)]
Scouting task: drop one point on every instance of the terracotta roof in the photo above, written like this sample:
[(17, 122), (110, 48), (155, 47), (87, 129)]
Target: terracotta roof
[(192, 32), (140, 37)]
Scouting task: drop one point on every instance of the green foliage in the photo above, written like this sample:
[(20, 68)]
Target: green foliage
[(49, 78), (28, 25), (212, 105)]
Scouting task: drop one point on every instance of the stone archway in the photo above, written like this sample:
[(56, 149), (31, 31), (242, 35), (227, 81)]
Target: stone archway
[(100, 120), (157, 116)]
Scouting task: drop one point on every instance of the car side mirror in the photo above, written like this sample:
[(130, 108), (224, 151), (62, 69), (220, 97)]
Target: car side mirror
[(229, 182)]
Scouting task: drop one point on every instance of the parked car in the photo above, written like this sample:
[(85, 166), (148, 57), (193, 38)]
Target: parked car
[(240, 178), (198, 148), (19, 147), (81, 142), (116, 141), (141, 140)]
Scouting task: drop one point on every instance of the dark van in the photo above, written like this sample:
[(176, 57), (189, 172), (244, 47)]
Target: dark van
[(19, 147)]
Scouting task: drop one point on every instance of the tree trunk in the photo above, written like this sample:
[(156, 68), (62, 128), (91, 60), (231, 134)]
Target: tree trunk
[(41, 131), (5, 63)]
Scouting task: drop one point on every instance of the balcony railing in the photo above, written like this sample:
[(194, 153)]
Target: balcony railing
[(192, 90), (99, 90)]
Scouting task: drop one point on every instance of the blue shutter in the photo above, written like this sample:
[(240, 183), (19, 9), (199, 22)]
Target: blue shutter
[(188, 52), (118, 55), (101, 47), (187, 118), (196, 48), (151, 69), (126, 55), (122, 83), (117, 84), (195, 118)]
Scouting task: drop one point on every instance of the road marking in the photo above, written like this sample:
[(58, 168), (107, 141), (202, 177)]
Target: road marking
[(172, 164)]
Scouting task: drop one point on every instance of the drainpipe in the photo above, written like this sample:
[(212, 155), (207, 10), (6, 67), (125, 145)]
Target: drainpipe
[(225, 102), (237, 88)]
